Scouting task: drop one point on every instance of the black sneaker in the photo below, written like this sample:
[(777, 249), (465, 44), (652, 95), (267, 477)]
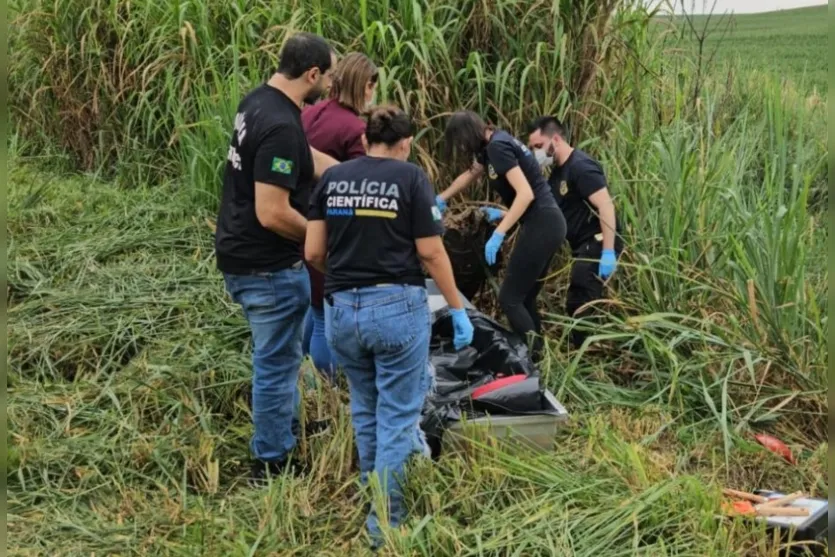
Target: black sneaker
[(261, 471)]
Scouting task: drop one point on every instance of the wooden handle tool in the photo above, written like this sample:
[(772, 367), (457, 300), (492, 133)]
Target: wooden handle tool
[(783, 501), (782, 511), (745, 495)]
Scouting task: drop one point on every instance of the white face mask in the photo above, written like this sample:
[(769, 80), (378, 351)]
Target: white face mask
[(542, 157)]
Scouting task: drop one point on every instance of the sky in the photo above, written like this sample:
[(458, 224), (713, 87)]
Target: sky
[(749, 6)]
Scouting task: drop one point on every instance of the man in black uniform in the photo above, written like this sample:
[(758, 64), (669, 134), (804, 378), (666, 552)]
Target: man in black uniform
[(580, 187), (260, 229)]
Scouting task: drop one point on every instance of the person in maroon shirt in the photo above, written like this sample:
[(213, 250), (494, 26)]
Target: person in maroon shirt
[(334, 127)]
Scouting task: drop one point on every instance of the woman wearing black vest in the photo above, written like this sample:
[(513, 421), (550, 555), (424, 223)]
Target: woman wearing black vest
[(514, 174), (372, 223)]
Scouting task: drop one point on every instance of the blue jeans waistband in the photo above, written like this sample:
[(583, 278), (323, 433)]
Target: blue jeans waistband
[(377, 295)]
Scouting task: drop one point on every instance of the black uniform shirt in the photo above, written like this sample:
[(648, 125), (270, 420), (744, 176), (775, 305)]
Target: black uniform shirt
[(268, 145), (374, 209), (504, 152), (572, 184)]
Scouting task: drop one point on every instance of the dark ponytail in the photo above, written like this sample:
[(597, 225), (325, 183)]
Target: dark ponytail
[(387, 125)]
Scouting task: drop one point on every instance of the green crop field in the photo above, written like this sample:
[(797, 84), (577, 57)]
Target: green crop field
[(129, 367), (791, 44)]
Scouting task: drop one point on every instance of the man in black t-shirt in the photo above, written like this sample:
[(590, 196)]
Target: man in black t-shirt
[(266, 188), (579, 186)]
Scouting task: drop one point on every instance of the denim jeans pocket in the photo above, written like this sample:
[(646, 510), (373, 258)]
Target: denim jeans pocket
[(395, 324), (400, 322), (251, 292)]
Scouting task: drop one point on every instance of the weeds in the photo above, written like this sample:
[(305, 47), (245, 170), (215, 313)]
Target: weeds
[(129, 367)]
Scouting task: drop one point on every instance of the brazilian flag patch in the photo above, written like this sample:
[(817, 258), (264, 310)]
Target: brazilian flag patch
[(282, 166)]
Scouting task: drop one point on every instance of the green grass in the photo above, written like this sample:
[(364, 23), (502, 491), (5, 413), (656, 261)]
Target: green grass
[(790, 44), (129, 367), (128, 420)]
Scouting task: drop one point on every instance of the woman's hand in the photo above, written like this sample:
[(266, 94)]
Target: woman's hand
[(492, 214), (491, 249), (462, 328), (440, 202)]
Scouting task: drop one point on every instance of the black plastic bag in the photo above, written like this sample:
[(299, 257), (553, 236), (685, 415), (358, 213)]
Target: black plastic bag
[(492, 360), (497, 350), (523, 397)]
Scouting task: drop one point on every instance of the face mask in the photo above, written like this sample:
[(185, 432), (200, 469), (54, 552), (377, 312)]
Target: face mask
[(542, 157)]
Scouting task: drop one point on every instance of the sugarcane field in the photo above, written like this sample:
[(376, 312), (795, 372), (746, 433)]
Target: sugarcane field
[(417, 278)]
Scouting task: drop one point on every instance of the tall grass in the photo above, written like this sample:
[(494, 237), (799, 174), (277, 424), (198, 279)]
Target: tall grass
[(129, 367), (128, 417), (148, 89)]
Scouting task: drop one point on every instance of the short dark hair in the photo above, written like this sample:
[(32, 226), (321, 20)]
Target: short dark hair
[(302, 52), (464, 137), (548, 126), (387, 124)]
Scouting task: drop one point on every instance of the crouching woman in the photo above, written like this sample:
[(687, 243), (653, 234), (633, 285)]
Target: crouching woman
[(372, 222)]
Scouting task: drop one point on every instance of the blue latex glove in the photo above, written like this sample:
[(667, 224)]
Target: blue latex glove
[(492, 214), (492, 247), (440, 203), (462, 328), (608, 263)]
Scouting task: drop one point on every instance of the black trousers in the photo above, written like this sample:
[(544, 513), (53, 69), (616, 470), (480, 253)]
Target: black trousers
[(540, 236), (585, 285)]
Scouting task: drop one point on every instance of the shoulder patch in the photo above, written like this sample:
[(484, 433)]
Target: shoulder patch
[(282, 166), (436, 213)]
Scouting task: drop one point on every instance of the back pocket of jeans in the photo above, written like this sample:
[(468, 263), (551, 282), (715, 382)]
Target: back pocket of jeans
[(395, 324)]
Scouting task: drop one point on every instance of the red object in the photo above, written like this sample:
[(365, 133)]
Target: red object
[(739, 507), (498, 384), (775, 446)]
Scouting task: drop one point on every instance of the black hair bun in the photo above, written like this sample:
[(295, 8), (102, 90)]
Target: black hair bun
[(387, 124)]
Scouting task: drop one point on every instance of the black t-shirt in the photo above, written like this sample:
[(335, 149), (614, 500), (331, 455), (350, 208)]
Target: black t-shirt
[(573, 183), (268, 145), (374, 209), (504, 152)]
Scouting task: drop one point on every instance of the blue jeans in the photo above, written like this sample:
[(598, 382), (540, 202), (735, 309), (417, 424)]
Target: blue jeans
[(274, 304), (380, 337), (315, 343)]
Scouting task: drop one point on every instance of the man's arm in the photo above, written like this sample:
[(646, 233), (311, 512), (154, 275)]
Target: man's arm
[(602, 201), (316, 245), (273, 210), (321, 162), (591, 184), (276, 175)]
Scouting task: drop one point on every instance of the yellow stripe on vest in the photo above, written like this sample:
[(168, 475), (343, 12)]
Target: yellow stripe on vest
[(375, 213)]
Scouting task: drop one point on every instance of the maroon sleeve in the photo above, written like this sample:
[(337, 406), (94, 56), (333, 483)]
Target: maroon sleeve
[(354, 148)]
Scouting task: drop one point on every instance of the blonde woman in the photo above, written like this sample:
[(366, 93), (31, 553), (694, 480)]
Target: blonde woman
[(334, 126)]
